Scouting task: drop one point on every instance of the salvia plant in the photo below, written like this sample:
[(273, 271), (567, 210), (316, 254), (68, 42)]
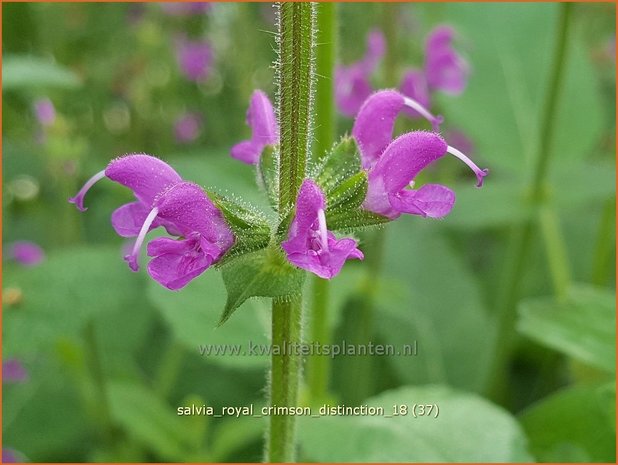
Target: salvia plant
[(365, 180)]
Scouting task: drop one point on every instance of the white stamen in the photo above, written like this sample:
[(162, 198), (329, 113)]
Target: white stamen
[(132, 258), (480, 174), (322, 229), (434, 120), (78, 200)]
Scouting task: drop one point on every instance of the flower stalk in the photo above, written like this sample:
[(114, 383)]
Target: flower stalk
[(295, 80), (521, 236)]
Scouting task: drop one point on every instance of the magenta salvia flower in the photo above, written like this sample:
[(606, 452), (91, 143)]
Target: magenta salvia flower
[(395, 170), (374, 124), (26, 253), (13, 371), (164, 199), (264, 129), (187, 127), (444, 68), (45, 112), (352, 82), (310, 245), (194, 57)]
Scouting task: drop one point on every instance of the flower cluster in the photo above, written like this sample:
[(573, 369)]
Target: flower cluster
[(444, 70), (389, 167)]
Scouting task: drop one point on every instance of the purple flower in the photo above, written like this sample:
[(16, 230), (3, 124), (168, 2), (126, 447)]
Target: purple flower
[(13, 371), (45, 112), (164, 199), (264, 129), (374, 124), (187, 127), (395, 170), (194, 58), (310, 244), (414, 86), (26, 253), (352, 82), (185, 8), (444, 68)]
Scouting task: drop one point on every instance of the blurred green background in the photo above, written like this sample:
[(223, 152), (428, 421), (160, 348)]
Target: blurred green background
[(110, 354)]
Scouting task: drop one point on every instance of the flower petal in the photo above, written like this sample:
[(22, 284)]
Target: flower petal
[(376, 47), (402, 160), (264, 129), (374, 124), (194, 58), (14, 371), (26, 253), (189, 210), (178, 262), (145, 175), (431, 200)]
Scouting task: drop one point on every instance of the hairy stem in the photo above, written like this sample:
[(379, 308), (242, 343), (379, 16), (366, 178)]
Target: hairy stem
[(318, 367), (521, 235), (295, 79), (284, 379)]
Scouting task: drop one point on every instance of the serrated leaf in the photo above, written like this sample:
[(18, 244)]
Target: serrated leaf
[(25, 71), (265, 273), (267, 174), (342, 220), (350, 194), (468, 428), (582, 326), (342, 162), (250, 229)]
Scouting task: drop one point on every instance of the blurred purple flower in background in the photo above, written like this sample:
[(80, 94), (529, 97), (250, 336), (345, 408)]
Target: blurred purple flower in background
[(445, 69), (13, 371), (195, 58), (10, 456), (310, 245), (353, 82), (44, 111), (185, 8), (264, 129), (26, 253), (187, 127)]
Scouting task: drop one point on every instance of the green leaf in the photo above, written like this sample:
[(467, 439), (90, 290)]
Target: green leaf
[(348, 195), (352, 220), (69, 288), (572, 425), (439, 304), (342, 162), (467, 429), (260, 274), (146, 418), (193, 313), (250, 228), (24, 71), (583, 326), (268, 172)]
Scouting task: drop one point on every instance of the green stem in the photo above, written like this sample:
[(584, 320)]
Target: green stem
[(521, 235), (169, 368), (325, 52), (295, 96), (93, 360), (284, 379), (295, 80), (602, 254), (318, 367), (557, 256)]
